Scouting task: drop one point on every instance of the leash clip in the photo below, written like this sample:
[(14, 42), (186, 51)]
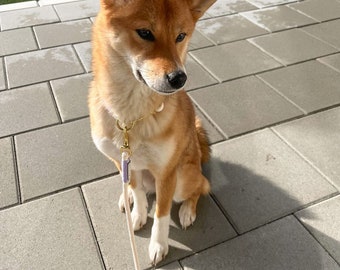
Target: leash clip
[(125, 148)]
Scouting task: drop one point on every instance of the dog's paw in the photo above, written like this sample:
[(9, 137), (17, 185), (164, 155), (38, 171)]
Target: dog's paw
[(139, 218), (121, 201), (159, 247), (139, 213), (157, 251), (187, 215)]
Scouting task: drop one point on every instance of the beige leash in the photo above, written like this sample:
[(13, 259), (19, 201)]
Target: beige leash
[(125, 162)]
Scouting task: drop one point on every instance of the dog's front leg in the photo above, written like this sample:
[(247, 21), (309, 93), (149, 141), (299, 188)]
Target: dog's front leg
[(165, 188), (137, 196), (139, 212)]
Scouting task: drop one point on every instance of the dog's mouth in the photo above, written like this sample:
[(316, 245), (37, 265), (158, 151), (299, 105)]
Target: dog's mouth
[(168, 85), (139, 77)]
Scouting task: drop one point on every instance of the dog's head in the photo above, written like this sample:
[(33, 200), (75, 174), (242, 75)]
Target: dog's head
[(152, 36)]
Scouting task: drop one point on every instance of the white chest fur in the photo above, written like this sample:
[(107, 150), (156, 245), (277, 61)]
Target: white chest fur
[(143, 153)]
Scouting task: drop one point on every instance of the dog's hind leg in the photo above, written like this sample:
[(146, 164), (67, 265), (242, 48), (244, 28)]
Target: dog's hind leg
[(192, 187), (187, 211)]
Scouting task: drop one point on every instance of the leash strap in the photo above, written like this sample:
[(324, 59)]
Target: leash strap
[(125, 161), (125, 180)]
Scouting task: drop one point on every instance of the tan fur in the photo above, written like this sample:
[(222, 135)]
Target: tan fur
[(169, 144)]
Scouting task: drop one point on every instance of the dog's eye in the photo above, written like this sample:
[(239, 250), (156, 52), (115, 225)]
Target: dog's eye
[(145, 34), (180, 37)]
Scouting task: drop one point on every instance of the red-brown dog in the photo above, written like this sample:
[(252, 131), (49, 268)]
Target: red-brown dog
[(139, 50)]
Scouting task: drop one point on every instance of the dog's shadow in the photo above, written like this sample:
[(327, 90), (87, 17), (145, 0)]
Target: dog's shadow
[(240, 201)]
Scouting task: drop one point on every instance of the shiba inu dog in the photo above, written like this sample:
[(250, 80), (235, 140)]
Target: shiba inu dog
[(139, 50)]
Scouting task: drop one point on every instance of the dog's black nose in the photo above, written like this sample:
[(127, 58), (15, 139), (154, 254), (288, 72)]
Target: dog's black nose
[(177, 79)]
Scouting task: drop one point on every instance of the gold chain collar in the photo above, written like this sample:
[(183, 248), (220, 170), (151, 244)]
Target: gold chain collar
[(125, 128)]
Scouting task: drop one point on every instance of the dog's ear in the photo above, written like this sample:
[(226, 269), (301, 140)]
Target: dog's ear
[(198, 7)]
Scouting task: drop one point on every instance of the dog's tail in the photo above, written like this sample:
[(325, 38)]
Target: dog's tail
[(203, 140)]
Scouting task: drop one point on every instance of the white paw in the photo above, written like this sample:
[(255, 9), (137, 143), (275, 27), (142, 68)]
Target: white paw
[(186, 215), (121, 201), (159, 247), (139, 217), (157, 251), (139, 213)]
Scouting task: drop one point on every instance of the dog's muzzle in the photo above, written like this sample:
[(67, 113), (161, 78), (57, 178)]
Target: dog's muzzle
[(167, 84)]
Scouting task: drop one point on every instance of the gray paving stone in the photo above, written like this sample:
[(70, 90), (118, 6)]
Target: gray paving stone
[(26, 108), (310, 85), (317, 138), (27, 17), (205, 16), (84, 51), (101, 197), (327, 31), (55, 2), (17, 41), (277, 18), (8, 189), (18, 5), (50, 233), (257, 178), (234, 60), (322, 220), (268, 3), (281, 245), (58, 157), (197, 76), (226, 7), (292, 46), (332, 61), (330, 9), (238, 28), (63, 33), (243, 105), (2, 75), (38, 66), (171, 266), (77, 10), (214, 135), (198, 40), (71, 96)]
